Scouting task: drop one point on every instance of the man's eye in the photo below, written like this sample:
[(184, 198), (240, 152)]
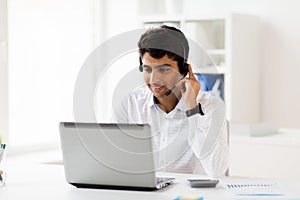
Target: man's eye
[(147, 69), (164, 69)]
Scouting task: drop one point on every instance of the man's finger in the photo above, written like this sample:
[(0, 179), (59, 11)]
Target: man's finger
[(191, 74)]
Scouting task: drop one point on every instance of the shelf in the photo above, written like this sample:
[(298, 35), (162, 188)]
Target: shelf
[(189, 18), (283, 137), (216, 51), (161, 19), (206, 17), (209, 34), (212, 70), (152, 24)]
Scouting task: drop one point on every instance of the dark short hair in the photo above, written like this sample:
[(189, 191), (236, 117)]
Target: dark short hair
[(165, 40)]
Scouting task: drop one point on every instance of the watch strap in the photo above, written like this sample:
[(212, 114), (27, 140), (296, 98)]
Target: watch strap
[(196, 110)]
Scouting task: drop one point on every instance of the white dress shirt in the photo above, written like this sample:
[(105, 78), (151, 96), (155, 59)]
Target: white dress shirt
[(195, 144)]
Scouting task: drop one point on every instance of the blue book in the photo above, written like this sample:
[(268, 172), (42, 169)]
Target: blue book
[(212, 82)]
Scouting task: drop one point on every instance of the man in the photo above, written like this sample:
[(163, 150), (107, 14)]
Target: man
[(188, 125)]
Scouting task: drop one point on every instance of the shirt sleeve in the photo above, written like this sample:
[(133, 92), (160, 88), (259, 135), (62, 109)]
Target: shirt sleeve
[(208, 136)]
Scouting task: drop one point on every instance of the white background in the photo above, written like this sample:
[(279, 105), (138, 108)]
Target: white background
[(49, 40)]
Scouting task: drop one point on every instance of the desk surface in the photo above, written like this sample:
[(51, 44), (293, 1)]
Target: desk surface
[(47, 182)]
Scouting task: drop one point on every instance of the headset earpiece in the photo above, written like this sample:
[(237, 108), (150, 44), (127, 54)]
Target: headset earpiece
[(185, 69), (141, 65), (141, 68)]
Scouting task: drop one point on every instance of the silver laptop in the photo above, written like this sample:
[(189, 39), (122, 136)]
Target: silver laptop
[(110, 156)]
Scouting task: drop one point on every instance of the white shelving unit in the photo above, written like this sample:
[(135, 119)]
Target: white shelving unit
[(229, 46)]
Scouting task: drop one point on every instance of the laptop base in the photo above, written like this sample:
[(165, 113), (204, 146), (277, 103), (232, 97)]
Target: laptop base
[(112, 187)]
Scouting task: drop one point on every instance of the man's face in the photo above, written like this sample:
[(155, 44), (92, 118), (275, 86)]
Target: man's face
[(160, 74)]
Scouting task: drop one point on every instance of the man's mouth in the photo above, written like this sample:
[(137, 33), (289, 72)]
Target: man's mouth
[(157, 87)]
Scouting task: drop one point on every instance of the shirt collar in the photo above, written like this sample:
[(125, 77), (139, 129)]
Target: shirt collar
[(151, 103)]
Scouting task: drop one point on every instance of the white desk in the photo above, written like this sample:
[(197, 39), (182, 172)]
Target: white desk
[(47, 182)]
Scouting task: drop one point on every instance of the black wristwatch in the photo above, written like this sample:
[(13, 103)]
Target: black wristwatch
[(194, 111)]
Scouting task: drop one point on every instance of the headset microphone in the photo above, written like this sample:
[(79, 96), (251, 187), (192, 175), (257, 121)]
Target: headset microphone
[(169, 91)]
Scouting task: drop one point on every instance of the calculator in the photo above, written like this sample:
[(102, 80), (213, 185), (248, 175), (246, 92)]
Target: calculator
[(206, 183)]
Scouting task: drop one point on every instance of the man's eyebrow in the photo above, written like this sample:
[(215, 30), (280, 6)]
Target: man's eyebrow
[(163, 65), (158, 66)]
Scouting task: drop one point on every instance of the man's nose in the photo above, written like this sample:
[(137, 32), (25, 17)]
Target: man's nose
[(155, 77)]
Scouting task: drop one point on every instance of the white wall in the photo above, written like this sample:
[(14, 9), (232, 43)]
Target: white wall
[(3, 71), (48, 42), (120, 17), (280, 95)]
